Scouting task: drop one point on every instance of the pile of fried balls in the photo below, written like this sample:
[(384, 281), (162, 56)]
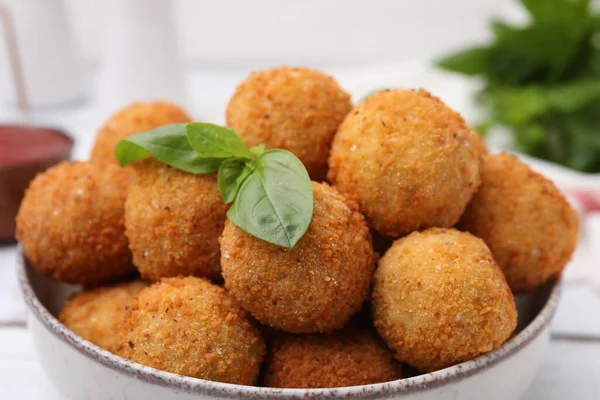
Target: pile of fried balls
[(418, 241)]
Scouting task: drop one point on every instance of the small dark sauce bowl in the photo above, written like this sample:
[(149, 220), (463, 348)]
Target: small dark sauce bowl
[(24, 152)]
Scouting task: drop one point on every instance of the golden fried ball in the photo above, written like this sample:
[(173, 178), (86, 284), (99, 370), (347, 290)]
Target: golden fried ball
[(70, 223), (296, 109), (191, 327), (407, 159), (98, 314), (478, 142), (135, 118), (528, 225), (348, 357), (440, 299), (314, 287), (173, 221)]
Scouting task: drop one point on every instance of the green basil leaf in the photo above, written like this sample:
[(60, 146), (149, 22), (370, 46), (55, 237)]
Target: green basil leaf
[(581, 130), (572, 11), (542, 81), (275, 202), (531, 138), (515, 105), (500, 28), (231, 175), (539, 52), (510, 66), (213, 141), (258, 149), (574, 96), (168, 145), (469, 62)]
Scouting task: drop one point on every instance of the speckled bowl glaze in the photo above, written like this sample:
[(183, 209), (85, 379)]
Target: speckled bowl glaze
[(81, 370)]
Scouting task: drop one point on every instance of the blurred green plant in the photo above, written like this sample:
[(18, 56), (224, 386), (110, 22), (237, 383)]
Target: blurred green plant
[(542, 81)]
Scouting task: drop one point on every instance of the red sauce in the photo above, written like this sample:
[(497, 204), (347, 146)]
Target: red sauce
[(24, 144), (24, 152)]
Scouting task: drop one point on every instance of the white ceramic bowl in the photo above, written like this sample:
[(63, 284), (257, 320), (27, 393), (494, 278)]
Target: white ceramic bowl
[(81, 370)]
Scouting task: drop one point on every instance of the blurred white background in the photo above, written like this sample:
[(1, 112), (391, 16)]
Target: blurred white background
[(225, 39), (259, 33)]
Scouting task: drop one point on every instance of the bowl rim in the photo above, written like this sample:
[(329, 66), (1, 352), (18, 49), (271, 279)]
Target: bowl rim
[(198, 386)]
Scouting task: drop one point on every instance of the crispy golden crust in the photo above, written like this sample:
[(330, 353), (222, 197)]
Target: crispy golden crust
[(345, 358), (191, 327), (478, 142), (70, 223), (296, 109), (407, 159), (314, 287), (528, 225), (135, 118), (440, 299), (98, 314), (173, 221)]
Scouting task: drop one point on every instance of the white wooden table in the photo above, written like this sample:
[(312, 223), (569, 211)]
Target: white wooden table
[(569, 371)]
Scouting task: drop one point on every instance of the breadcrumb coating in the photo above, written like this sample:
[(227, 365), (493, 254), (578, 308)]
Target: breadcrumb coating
[(70, 223), (407, 159), (314, 287), (295, 109), (479, 143), (440, 299), (528, 225), (135, 118), (349, 357), (173, 221), (98, 314), (191, 327)]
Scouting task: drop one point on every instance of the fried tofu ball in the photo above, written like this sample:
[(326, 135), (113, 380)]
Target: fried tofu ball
[(173, 221), (295, 109), (135, 118), (70, 223), (440, 299), (528, 225), (98, 314), (407, 159), (191, 327), (315, 286), (349, 357)]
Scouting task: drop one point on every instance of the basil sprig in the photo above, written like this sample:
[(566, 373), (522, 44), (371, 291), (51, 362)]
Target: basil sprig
[(541, 80), (270, 191)]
